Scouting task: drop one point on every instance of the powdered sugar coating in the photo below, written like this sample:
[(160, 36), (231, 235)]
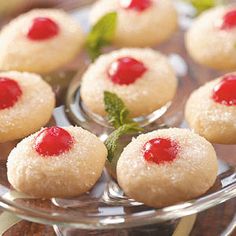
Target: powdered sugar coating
[(17, 52), (67, 175), (139, 29), (155, 88), (33, 109), (191, 174), (208, 44), (212, 120)]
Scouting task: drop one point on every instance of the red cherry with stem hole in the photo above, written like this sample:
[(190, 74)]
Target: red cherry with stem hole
[(137, 5), (53, 141), (160, 150), (229, 20), (10, 92), (42, 28), (125, 70), (225, 91)]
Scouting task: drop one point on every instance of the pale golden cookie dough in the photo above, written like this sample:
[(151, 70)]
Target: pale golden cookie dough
[(67, 175), (17, 52), (214, 121), (154, 89), (33, 109), (209, 45), (139, 29), (190, 175)]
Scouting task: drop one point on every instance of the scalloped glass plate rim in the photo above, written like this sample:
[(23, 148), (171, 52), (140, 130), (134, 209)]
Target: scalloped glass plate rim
[(120, 221)]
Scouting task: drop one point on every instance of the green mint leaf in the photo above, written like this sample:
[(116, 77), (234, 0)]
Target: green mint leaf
[(101, 34), (118, 118), (202, 5), (116, 110), (113, 139)]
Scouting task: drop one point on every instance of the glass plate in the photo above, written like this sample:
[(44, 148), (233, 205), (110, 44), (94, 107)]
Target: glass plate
[(105, 206)]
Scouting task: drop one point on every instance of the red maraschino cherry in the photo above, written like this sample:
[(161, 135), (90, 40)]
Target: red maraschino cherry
[(10, 92), (229, 20), (137, 5), (53, 141), (160, 150), (42, 28), (125, 70), (225, 91)]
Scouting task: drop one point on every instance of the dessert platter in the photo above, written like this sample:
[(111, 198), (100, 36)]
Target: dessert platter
[(109, 124)]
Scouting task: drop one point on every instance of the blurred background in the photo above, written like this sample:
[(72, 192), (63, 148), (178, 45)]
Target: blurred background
[(12, 8)]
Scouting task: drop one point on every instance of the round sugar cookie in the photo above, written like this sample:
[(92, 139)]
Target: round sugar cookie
[(26, 104), (211, 110), (142, 78), (56, 162), (40, 41), (212, 38), (167, 166), (140, 23)]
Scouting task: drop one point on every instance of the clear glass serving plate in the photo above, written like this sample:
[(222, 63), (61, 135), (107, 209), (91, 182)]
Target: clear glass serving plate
[(105, 207)]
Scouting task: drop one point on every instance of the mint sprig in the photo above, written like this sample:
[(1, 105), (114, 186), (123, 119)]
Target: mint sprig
[(116, 110), (101, 34), (118, 118), (113, 139)]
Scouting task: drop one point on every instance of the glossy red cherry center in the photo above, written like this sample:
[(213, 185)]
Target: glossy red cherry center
[(229, 20), (125, 70), (10, 92), (160, 150), (138, 5), (53, 141), (225, 91), (42, 28)]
